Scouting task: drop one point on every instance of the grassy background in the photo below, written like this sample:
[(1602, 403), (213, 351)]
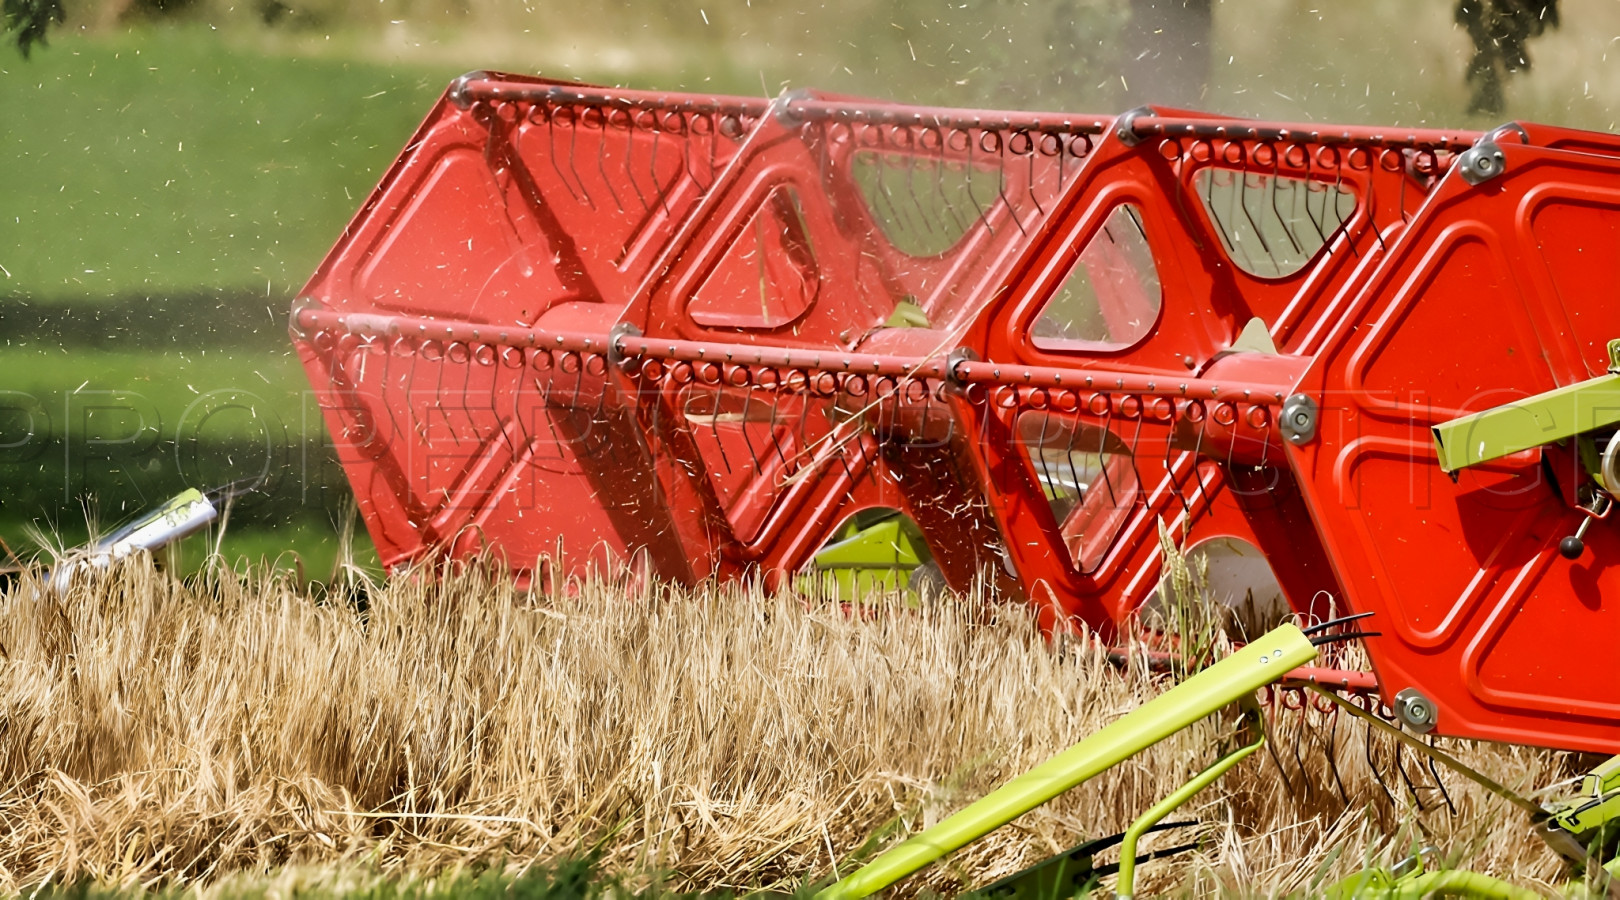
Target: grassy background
[(165, 187)]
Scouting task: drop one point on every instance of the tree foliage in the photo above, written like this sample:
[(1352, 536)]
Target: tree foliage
[(29, 19), (1499, 30)]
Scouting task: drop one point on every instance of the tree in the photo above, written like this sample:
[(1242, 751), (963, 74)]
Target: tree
[(30, 19), (1499, 30)]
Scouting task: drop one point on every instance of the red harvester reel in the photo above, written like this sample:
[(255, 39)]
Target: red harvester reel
[(696, 334)]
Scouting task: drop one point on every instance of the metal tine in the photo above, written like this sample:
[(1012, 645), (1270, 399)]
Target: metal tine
[(940, 167), (933, 208), (466, 394), (1243, 201), (919, 218), (573, 143), (629, 159), (438, 394), (1197, 470), (1435, 774), (1338, 217), (1136, 441), (1370, 201), (1209, 201), (387, 382), (1372, 766), (714, 429), (1322, 237), (1040, 451), (1102, 459), (1169, 459), (1271, 743), (601, 167), (1068, 455), (553, 155), (652, 168), (748, 441), (776, 440), (1033, 197), (1237, 200), (1407, 779), (1333, 753), (1001, 186), (1276, 178), (983, 216)]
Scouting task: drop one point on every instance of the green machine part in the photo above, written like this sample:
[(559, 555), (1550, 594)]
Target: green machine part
[(1547, 418), (871, 554), (1233, 679)]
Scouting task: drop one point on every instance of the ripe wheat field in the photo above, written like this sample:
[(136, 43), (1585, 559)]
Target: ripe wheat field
[(233, 732)]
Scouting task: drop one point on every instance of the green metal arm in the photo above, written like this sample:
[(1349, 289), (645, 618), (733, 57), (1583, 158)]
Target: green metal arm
[(1125, 887), (1232, 679), (1546, 418)]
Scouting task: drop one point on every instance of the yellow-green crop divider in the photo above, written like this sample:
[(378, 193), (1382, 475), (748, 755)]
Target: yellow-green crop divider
[(1545, 418), (1233, 679)]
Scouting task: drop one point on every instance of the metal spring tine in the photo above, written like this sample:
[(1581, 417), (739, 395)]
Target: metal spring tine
[(776, 440), (1001, 191), (387, 382), (629, 160), (466, 393), (1402, 198), (1271, 746), (1339, 193), (1259, 233), (1370, 201), (1068, 455), (889, 211), (1434, 773), (517, 402), (912, 211), (688, 154), (944, 198), (1197, 466), (983, 216), (1237, 200), (500, 421), (714, 429), (932, 209), (1276, 178), (1333, 753), (1040, 451), (1407, 779), (573, 142), (1372, 766), (579, 384), (1033, 197), (1209, 201), (601, 167), (553, 155), (1169, 464), (652, 169), (1322, 237), (1136, 441), (438, 394), (1102, 458), (748, 441)]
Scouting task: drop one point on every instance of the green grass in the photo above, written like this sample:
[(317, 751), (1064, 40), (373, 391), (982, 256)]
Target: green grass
[(218, 396), (167, 160)]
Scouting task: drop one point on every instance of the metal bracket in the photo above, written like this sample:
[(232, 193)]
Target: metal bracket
[(1416, 711), (621, 330), (1124, 127), (1299, 415), (458, 88), (1481, 162), (300, 304)]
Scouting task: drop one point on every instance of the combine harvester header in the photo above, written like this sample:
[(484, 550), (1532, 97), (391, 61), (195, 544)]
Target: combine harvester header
[(701, 335)]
